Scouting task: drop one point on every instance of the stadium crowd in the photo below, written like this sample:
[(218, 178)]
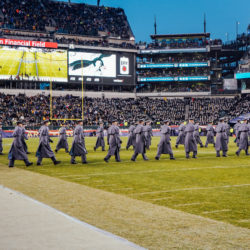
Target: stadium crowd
[(176, 87), (36, 109), (174, 72), (81, 19)]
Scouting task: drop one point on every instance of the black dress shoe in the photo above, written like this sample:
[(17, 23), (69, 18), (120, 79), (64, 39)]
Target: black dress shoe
[(94, 148), (172, 158), (237, 153), (118, 160), (157, 158), (11, 166), (194, 156), (73, 162), (56, 162), (84, 162), (176, 146), (38, 164), (29, 164), (132, 159), (56, 151), (106, 160)]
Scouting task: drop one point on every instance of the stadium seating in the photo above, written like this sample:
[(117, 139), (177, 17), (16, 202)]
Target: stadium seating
[(59, 17), (37, 108)]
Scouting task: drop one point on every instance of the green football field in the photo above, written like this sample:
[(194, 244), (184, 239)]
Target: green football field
[(45, 65), (217, 188)]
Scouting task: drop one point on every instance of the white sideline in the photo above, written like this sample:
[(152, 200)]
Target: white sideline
[(84, 235)]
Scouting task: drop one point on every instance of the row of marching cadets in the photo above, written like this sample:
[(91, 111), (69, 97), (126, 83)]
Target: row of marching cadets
[(222, 131), (139, 137)]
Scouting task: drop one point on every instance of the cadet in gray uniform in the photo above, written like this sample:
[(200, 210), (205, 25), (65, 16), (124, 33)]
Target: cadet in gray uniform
[(190, 142), (210, 134), (197, 134), (1, 139), (181, 135), (100, 138), (236, 128), (131, 137), (164, 147), (17, 151), (62, 142), (148, 134), (25, 137), (243, 131), (114, 142), (221, 138), (140, 143), (44, 150), (78, 146)]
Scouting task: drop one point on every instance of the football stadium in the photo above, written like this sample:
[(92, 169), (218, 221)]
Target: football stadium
[(114, 135)]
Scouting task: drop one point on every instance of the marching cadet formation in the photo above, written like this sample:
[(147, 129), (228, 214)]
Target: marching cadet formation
[(139, 137)]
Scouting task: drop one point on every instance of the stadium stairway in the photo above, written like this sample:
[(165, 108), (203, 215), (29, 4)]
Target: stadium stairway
[(186, 111)]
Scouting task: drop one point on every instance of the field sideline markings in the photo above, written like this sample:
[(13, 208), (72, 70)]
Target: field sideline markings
[(164, 170), (190, 189)]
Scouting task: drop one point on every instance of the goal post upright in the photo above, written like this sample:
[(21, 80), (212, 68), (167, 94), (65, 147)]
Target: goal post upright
[(51, 97)]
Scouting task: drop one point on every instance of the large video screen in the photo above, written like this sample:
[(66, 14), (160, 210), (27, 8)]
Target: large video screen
[(33, 64), (92, 64), (101, 67)]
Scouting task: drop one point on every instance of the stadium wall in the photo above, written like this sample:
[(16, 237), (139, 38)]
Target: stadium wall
[(32, 92)]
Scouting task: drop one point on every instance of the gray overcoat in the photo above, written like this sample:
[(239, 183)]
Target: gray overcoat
[(164, 146), (17, 151), (78, 146), (44, 150), (190, 142)]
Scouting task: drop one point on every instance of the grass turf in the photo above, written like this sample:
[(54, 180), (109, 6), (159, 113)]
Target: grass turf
[(216, 188)]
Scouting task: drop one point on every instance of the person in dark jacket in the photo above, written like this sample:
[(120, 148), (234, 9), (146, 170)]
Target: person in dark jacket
[(62, 142), (164, 147), (243, 132), (190, 142), (78, 146), (1, 139), (44, 150), (114, 142), (140, 143), (100, 138), (17, 151)]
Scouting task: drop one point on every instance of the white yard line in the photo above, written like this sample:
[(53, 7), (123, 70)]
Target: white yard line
[(193, 188), (216, 211), (165, 170), (190, 204)]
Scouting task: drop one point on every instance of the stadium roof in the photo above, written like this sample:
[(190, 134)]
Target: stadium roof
[(174, 36)]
